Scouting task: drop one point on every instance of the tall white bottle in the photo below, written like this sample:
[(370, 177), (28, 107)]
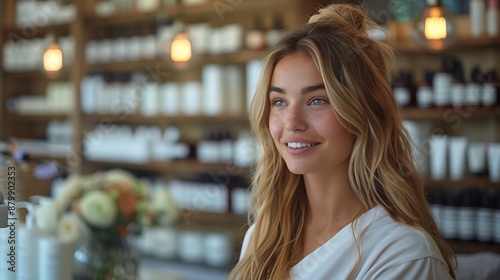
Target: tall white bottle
[(27, 246), (477, 18), (8, 251)]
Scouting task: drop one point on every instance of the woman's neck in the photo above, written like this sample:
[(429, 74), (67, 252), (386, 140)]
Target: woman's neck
[(331, 206)]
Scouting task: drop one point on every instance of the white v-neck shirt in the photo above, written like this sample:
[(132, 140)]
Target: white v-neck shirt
[(389, 250)]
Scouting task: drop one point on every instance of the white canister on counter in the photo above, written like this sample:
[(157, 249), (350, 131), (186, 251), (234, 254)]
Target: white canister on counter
[(27, 246), (55, 257)]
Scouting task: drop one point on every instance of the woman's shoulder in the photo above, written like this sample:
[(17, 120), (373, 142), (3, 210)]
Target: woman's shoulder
[(246, 240), (389, 236)]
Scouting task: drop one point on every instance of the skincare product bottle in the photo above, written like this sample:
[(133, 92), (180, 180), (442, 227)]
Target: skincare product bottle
[(473, 89), (8, 248), (457, 90), (489, 93), (402, 91), (477, 17), (449, 216), (466, 214), (484, 217), (424, 93), (492, 18), (442, 83), (27, 245)]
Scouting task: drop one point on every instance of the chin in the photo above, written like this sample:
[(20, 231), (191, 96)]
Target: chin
[(298, 170)]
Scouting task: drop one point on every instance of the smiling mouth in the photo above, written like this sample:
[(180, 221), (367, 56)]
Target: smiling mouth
[(298, 145)]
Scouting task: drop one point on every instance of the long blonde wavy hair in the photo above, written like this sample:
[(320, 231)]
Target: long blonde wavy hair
[(354, 68)]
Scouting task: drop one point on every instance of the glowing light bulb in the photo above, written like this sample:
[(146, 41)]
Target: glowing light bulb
[(434, 27), (181, 48), (52, 59)]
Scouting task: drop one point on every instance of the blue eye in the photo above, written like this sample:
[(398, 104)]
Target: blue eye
[(278, 103), (318, 101)]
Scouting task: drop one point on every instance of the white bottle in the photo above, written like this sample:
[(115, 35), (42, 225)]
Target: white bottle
[(492, 19), (233, 79), (473, 89), (489, 90), (169, 98), (150, 99), (55, 258), (8, 248), (27, 246), (213, 89), (484, 218), (477, 18)]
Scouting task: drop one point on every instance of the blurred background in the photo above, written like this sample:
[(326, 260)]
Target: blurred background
[(146, 101)]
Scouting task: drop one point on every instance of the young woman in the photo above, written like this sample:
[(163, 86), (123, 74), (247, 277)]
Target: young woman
[(336, 192)]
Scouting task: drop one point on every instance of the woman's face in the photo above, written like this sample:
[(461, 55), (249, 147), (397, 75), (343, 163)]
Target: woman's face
[(302, 122)]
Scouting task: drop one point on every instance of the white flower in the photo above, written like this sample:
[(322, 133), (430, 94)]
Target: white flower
[(91, 182), (118, 177), (165, 205), (70, 189), (98, 209), (46, 215), (72, 228)]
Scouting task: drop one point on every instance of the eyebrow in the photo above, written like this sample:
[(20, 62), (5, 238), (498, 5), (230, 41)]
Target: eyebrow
[(303, 91)]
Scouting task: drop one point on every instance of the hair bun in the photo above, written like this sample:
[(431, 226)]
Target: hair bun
[(341, 15)]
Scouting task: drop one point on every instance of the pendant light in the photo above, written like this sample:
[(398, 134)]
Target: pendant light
[(52, 58), (180, 49), (435, 27)]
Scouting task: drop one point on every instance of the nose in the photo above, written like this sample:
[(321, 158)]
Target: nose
[(295, 119)]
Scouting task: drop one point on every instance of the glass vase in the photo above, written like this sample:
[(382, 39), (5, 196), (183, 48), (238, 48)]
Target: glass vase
[(111, 259)]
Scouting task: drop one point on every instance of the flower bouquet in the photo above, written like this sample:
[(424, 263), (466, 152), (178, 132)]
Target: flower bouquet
[(101, 213)]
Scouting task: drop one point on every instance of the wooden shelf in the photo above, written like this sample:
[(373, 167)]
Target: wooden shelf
[(46, 157), (193, 216), (204, 12), (162, 120), (31, 32), (460, 44), (35, 118), (164, 64), (469, 247), (444, 113), (39, 74), (479, 182), (189, 166)]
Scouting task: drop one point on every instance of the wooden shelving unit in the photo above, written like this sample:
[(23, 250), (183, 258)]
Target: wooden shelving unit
[(188, 166), (86, 22), (164, 64), (470, 247), (476, 182), (163, 120), (459, 44), (441, 113)]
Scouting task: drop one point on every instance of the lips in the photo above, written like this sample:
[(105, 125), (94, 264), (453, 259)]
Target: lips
[(299, 146)]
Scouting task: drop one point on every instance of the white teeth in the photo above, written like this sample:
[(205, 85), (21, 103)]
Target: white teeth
[(297, 145)]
